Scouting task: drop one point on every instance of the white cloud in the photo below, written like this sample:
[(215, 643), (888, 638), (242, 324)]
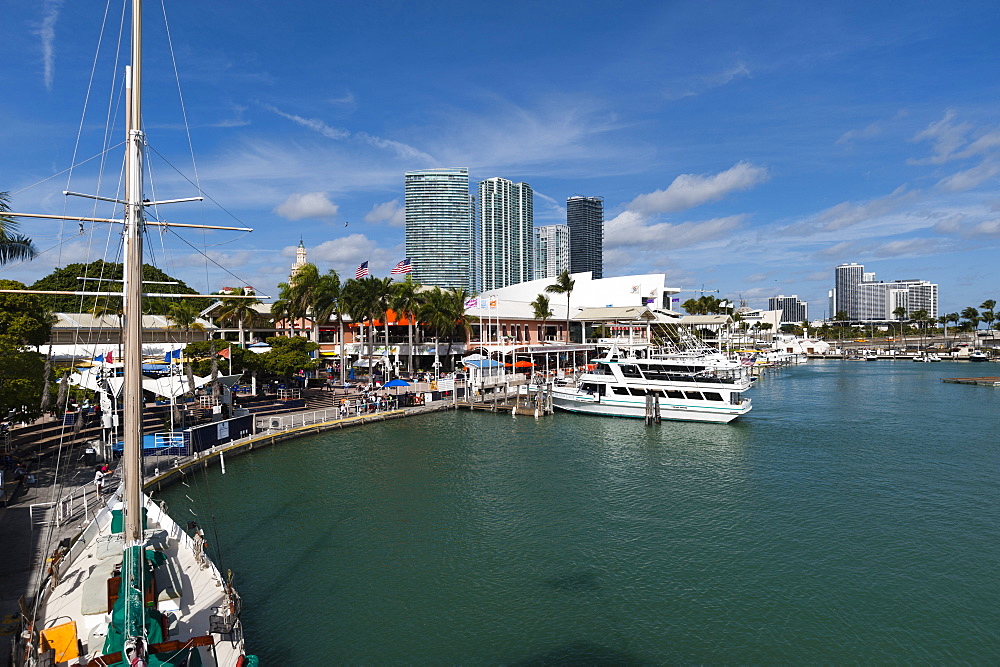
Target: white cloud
[(946, 137), (307, 205), (695, 87), (969, 178), (336, 133), (956, 226), (867, 132), (849, 214), (689, 190), (47, 31), (631, 228), (390, 212)]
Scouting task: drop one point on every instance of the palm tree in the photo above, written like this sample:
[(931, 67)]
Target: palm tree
[(328, 303), (301, 295), (920, 317), (988, 314), (564, 284), (280, 308), (406, 301), (239, 311), (361, 301), (899, 313), (383, 288), (13, 246), (184, 316), (542, 311), (972, 315)]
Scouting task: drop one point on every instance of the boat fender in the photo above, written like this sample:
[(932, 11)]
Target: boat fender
[(241, 661)]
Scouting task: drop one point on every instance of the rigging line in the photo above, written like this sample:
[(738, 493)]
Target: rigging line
[(198, 187), (86, 102), (224, 269), (211, 514), (70, 168), (180, 94)]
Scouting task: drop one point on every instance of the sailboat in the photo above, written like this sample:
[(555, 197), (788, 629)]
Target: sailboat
[(133, 588)]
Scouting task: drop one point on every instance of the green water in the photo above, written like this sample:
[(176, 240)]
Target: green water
[(852, 516)]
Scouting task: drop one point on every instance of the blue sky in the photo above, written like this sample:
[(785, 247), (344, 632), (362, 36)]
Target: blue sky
[(743, 147)]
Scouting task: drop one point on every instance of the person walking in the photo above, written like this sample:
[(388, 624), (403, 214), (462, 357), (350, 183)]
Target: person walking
[(99, 481)]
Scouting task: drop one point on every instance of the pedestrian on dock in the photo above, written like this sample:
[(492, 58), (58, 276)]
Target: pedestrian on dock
[(99, 480)]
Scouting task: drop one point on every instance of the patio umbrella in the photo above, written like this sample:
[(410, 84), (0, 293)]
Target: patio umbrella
[(523, 364), (396, 383)]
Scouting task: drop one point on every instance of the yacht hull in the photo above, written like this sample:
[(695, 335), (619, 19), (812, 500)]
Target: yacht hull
[(690, 411)]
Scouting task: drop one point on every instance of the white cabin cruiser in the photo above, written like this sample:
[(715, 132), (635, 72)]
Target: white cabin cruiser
[(686, 388)]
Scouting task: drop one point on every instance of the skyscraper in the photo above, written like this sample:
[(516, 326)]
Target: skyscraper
[(585, 219), (440, 228), (551, 250), (506, 230), (792, 310), (847, 277)]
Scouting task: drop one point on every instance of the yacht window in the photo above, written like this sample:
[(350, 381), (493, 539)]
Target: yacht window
[(638, 392), (589, 387), (673, 393), (631, 371), (713, 396), (621, 391), (736, 398), (693, 395)]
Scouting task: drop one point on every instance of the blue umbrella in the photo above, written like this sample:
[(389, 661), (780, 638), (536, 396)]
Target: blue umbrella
[(396, 383)]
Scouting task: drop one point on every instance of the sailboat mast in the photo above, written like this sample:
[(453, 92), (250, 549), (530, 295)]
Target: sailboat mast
[(132, 289)]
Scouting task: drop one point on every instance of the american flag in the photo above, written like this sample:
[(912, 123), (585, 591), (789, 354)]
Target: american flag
[(403, 267), (362, 271)]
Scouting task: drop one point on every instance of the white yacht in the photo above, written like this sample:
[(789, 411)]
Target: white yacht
[(678, 386)]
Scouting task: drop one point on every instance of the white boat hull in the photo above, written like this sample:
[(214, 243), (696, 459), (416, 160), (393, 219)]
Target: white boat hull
[(635, 407)]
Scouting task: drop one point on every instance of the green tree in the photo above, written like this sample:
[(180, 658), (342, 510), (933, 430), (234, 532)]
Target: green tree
[(362, 300), (564, 284), (971, 315), (406, 302), (13, 246), (201, 352), (288, 355), (988, 314), (329, 303), (542, 311), (25, 323), (239, 311), (184, 316), (101, 276)]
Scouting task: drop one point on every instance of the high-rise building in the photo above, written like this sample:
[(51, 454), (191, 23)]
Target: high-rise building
[(879, 300), (792, 310), (440, 228), (585, 219), (846, 279), (506, 231), (864, 299), (551, 250)]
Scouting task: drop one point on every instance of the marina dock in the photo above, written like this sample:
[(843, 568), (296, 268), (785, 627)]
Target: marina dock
[(982, 381)]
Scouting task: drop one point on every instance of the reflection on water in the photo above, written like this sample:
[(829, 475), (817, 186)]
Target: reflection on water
[(852, 516)]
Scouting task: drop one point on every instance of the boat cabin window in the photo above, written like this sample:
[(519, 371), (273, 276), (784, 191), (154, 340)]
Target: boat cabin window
[(621, 391), (591, 388), (601, 369), (736, 398), (631, 371), (638, 392), (656, 373), (673, 393), (713, 396), (693, 395)]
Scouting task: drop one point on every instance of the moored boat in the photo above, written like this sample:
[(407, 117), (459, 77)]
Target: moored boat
[(694, 388)]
